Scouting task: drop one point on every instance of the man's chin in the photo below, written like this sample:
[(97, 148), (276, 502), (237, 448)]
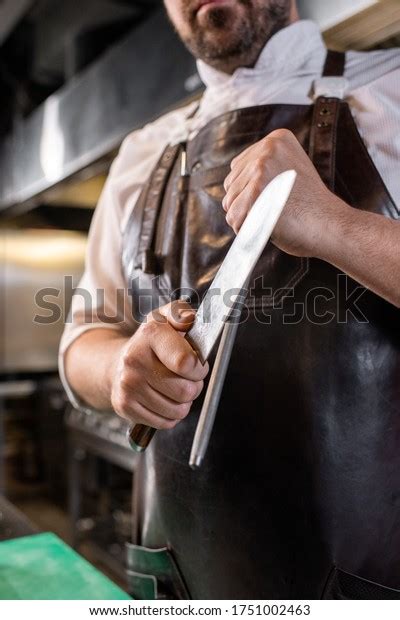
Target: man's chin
[(217, 28), (217, 17), (221, 48), (224, 34)]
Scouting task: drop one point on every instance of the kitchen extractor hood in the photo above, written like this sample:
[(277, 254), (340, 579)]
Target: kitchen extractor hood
[(138, 79)]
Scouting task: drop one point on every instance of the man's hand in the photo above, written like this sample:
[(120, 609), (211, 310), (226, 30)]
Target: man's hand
[(158, 375), (303, 222)]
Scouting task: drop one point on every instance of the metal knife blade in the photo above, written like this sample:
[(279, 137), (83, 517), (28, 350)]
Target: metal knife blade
[(239, 263), (230, 279)]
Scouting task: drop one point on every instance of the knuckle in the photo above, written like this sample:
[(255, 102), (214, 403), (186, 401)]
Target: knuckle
[(182, 362), (182, 410), (227, 201), (149, 327), (125, 379), (281, 133), (129, 355), (188, 392), (126, 358), (124, 403), (115, 404), (259, 166), (230, 218), (274, 135), (199, 388), (121, 404), (204, 370), (286, 133)]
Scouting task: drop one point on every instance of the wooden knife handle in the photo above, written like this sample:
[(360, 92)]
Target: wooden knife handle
[(140, 436)]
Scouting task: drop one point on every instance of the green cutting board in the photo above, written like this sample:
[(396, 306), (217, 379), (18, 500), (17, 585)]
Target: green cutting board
[(42, 567)]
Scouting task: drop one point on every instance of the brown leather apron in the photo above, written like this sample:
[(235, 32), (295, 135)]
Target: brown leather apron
[(310, 494)]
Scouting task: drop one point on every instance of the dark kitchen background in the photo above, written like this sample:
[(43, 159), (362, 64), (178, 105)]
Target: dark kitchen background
[(75, 79)]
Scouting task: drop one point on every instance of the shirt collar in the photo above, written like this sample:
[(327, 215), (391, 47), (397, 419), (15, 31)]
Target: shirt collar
[(284, 53)]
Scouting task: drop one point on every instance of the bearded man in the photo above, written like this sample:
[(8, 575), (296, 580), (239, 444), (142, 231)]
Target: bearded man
[(299, 494)]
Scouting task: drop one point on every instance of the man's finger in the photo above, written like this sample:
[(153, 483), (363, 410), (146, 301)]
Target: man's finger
[(236, 189), (179, 314), (175, 352), (174, 387), (241, 157), (232, 176), (241, 206), (163, 405), (140, 414)]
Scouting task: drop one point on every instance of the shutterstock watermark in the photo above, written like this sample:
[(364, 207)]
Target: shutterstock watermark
[(319, 305)]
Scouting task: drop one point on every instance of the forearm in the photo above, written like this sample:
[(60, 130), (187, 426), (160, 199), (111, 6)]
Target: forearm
[(90, 364), (364, 245)]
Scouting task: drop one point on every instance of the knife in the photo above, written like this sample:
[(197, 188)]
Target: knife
[(226, 290)]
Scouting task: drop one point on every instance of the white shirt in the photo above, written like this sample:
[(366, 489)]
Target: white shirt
[(285, 73)]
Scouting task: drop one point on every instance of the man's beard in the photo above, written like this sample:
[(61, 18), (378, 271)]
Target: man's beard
[(222, 39)]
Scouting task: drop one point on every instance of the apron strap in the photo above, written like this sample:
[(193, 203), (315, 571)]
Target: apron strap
[(322, 150), (157, 183), (334, 64)]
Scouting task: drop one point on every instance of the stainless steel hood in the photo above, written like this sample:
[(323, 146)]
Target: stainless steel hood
[(132, 83)]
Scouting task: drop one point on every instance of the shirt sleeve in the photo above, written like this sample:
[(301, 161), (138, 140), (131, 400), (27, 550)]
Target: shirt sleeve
[(101, 299)]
